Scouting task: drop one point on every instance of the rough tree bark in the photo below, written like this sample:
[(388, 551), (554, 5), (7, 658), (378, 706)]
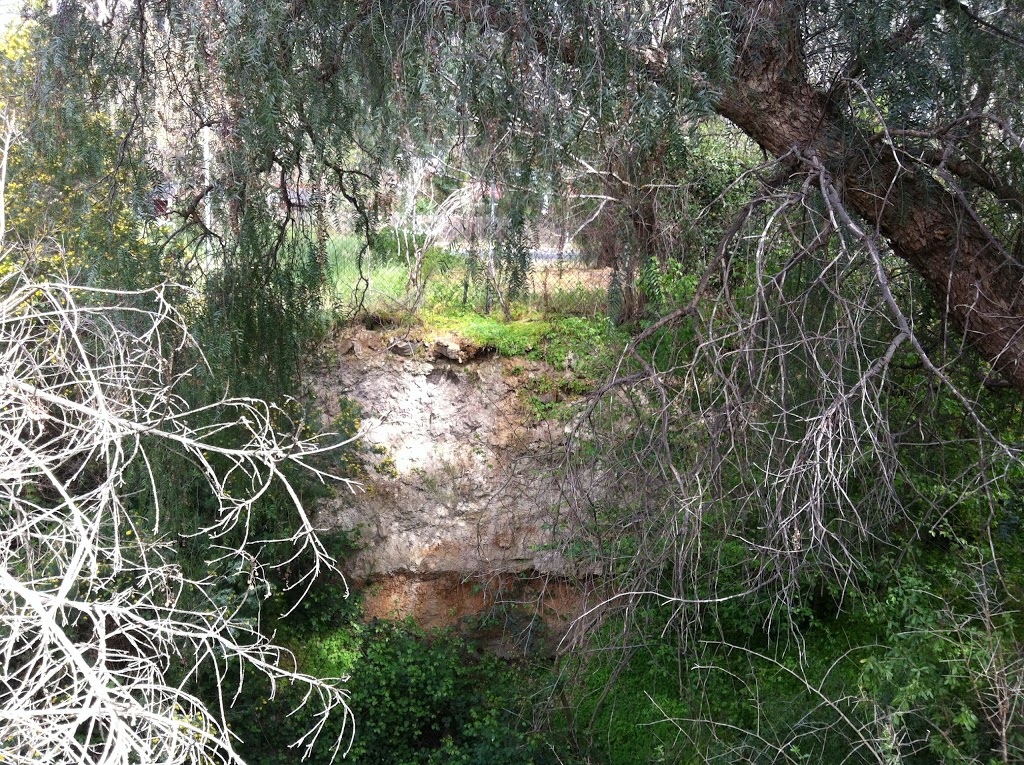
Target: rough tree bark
[(925, 222)]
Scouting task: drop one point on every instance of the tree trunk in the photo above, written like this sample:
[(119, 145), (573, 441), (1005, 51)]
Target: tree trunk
[(926, 224)]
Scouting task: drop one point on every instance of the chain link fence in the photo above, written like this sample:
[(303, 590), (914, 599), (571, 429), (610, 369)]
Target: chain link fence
[(399, 269), (394, 271)]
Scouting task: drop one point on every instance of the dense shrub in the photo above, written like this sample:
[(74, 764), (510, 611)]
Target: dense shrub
[(418, 699)]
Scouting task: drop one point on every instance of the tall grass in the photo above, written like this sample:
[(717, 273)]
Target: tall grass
[(569, 290), (344, 278)]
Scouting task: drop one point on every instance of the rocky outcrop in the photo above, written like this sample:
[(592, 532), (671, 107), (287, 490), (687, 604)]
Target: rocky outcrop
[(463, 490)]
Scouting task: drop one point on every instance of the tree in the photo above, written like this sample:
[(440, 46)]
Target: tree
[(839, 371), (105, 628), (903, 111), (918, 167)]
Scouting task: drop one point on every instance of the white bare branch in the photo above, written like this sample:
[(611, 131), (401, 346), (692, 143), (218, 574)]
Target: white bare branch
[(101, 630)]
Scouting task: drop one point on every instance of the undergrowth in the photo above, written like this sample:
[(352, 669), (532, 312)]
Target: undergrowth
[(419, 698)]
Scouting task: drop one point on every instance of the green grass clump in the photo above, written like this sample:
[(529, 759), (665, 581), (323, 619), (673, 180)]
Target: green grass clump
[(582, 343), (387, 279), (628, 717), (385, 265), (518, 337)]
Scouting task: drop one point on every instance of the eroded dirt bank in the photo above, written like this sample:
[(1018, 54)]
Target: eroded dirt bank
[(454, 528)]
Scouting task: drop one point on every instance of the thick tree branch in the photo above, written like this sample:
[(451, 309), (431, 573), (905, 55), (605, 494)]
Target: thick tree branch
[(970, 274), (976, 173)]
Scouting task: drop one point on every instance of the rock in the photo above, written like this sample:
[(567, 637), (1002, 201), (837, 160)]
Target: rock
[(418, 368), (402, 348), (346, 346), (444, 372), (458, 517), (458, 489), (503, 539), (366, 338), (448, 349)]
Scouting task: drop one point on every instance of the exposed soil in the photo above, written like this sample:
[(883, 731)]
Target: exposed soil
[(507, 613), (460, 503)]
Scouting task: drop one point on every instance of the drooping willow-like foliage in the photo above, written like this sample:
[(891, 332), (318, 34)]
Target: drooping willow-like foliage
[(840, 369), (104, 631)]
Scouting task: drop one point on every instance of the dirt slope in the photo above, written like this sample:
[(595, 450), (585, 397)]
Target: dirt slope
[(455, 521)]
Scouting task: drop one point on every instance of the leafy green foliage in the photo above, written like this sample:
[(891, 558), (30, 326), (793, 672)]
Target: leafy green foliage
[(758, 397), (911, 669), (418, 699), (65, 174), (942, 635), (516, 259), (623, 710)]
